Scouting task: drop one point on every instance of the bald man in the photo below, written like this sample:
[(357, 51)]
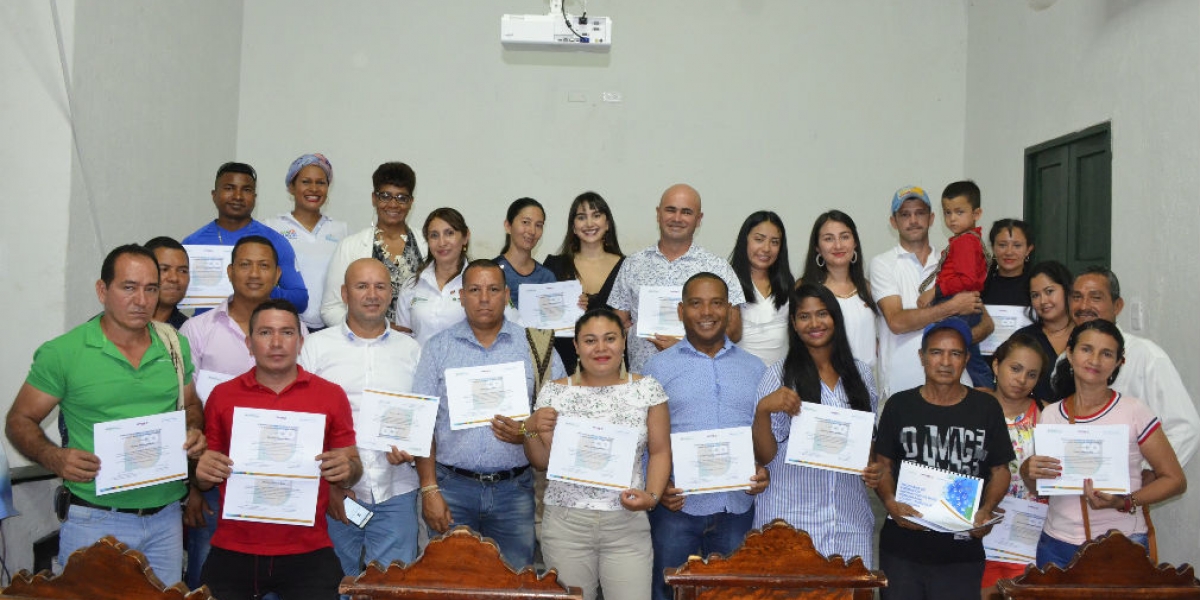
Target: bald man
[(670, 262), (364, 353)]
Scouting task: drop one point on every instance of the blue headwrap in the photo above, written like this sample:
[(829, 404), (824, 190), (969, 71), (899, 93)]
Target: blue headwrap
[(304, 161)]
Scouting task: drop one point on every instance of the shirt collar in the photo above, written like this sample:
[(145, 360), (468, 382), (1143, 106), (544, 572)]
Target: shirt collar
[(686, 346), (354, 338), (462, 331), (249, 379)]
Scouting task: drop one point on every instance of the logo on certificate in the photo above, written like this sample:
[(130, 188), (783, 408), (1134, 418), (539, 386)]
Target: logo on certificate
[(1083, 457), (207, 272), (551, 307), (142, 450), (396, 423), (487, 393), (713, 459), (276, 443), (831, 437), (594, 453), (271, 492)]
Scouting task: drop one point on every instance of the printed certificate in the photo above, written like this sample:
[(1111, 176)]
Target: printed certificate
[(658, 311), (593, 453), (477, 394), (713, 460), (946, 500), (1096, 452), (209, 285), (206, 381), (393, 419), (279, 500), (140, 452), (1015, 539), (276, 443), (1007, 319), (831, 438), (551, 306)]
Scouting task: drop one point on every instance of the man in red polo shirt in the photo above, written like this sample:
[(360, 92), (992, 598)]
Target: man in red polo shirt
[(250, 559)]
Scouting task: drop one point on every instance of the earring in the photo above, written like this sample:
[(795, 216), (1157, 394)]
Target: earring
[(1026, 258), (854, 257), (820, 261), (624, 372), (578, 366)]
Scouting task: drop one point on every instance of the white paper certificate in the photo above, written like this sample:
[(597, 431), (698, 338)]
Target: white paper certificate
[(592, 453), (1096, 452), (1014, 540), (946, 500), (276, 443), (393, 419), (1007, 319), (140, 452), (207, 380), (658, 311), (551, 306), (830, 438), (477, 394), (209, 285), (280, 500), (713, 460)]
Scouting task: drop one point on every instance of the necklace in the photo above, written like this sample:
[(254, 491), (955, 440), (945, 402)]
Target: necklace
[(853, 292), (1059, 330)]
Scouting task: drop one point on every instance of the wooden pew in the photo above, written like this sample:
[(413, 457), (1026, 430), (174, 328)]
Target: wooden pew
[(1110, 566), (777, 562), (456, 566), (107, 570)]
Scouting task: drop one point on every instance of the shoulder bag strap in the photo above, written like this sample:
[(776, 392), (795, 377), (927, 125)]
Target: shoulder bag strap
[(1083, 506), (170, 339), (541, 344)]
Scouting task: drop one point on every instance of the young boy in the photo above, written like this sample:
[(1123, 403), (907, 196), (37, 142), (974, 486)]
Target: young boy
[(964, 263)]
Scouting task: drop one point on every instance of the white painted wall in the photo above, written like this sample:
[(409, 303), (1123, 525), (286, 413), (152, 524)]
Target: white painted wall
[(793, 106), (1033, 76)]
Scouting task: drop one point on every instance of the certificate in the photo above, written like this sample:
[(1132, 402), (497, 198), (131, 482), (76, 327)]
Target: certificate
[(279, 500), (713, 460), (207, 380), (477, 394), (946, 500), (209, 285), (1007, 319), (830, 438), (389, 419), (276, 443), (1015, 539), (658, 311), (1096, 452), (140, 452), (551, 306), (592, 453)]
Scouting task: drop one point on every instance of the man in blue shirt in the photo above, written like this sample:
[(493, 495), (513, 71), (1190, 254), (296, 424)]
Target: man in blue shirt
[(479, 476), (710, 384), (234, 194)]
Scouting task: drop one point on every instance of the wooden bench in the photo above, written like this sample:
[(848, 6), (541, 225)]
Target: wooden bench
[(777, 562), (456, 566), (1111, 566), (107, 570)]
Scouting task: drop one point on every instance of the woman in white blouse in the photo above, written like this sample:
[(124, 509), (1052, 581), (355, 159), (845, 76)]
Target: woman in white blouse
[(760, 260), (595, 536), (835, 259), (429, 301)]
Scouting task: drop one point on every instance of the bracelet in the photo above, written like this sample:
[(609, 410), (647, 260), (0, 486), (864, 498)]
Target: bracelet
[(653, 495), (429, 489), (1126, 506), (529, 435), (1133, 504)]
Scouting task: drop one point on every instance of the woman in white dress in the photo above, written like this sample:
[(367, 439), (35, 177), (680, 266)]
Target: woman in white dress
[(835, 260), (760, 260)]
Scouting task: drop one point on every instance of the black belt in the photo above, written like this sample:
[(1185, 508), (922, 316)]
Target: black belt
[(141, 512), (488, 477)]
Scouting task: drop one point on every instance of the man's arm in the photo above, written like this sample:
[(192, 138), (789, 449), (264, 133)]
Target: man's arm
[(193, 411), (291, 285), (24, 430), (903, 320), (1170, 402), (983, 329), (993, 493), (734, 328), (341, 466)]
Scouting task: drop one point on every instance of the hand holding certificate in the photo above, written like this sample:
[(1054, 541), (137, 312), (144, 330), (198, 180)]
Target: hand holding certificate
[(1007, 319), (276, 475), (551, 306), (477, 394), (1014, 540), (209, 284), (1096, 452), (713, 460), (658, 311), (830, 438), (592, 453), (140, 452), (402, 420), (947, 501)]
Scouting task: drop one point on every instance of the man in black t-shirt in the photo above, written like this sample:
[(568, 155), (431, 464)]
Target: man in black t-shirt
[(944, 425)]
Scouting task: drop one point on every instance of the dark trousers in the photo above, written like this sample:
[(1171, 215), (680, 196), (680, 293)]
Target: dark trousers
[(233, 575), (909, 580)]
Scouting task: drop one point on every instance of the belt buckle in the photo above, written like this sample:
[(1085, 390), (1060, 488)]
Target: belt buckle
[(489, 477)]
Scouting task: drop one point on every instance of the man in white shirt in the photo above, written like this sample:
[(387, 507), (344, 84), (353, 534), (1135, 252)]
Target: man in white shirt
[(365, 353), (1148, 373), (896, 276)]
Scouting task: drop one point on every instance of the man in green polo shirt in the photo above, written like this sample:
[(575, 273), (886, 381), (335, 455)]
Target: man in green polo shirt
[(115, 366)]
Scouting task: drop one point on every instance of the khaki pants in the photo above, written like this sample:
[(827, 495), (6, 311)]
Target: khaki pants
[(596, 547)]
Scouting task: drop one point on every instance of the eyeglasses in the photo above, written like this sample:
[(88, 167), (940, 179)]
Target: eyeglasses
[(385, 197)]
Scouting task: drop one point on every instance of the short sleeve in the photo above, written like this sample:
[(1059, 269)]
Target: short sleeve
[(189, 367), (404, 302), (655, 394), (340, 431), (47, 373), (883, 280), (999, 445), (1145, 423), (737, 295), (550, 392), (621, 297), (885, 438)]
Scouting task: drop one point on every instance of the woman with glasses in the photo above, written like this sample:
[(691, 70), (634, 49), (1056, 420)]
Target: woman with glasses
[(390, 240)]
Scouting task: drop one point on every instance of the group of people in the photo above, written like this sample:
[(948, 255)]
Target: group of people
[(398, 308)]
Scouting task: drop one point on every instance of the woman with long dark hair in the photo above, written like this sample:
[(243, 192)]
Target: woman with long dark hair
[(820, 368), (522, 231), (760, 260), (835, 260), (1049, 290)]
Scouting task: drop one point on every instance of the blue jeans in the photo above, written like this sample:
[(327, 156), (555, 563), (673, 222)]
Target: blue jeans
[(1053, 550), (159, 536), (198, 538), (678, 535), (502, 511), (390, 535)]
